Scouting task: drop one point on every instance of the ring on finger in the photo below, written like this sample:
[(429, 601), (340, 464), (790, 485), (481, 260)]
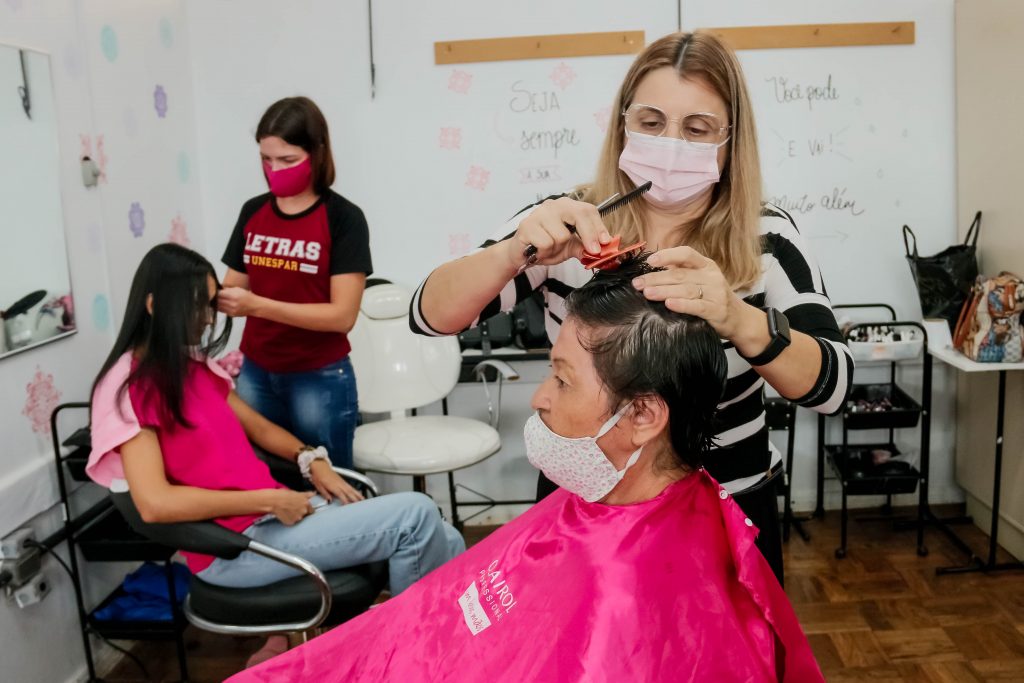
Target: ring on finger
[(700, 292)]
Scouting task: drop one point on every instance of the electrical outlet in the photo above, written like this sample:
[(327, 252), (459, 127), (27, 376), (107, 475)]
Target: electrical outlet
[(14, 543), (32, 592), (23, 567), (18, 560)]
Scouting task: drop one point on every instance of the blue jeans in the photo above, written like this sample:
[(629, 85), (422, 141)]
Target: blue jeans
[(320, 407), (405, 529)]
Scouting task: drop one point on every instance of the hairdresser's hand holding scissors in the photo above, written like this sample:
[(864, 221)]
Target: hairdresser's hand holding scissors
[(692, 283), (330, 485), (545, 228)]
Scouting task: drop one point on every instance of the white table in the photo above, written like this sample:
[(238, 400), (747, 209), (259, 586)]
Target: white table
[(957, 360)]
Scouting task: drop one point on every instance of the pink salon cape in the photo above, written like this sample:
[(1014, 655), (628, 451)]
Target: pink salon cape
[(670, 589)]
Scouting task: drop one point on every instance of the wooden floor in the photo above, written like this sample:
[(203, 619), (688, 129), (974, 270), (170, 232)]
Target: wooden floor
[(878, 616)]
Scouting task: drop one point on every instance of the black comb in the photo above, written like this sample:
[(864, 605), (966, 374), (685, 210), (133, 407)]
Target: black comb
[(604, 208)]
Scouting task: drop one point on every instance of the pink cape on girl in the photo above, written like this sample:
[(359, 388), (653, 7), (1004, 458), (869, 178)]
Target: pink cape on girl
[(670, 589)]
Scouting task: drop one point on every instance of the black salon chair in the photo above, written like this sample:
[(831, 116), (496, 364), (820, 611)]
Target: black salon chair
[(780, 415), (301, 604)]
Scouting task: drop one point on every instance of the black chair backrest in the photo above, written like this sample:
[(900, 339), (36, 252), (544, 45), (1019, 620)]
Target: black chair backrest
[(284, 472), (208, 538)]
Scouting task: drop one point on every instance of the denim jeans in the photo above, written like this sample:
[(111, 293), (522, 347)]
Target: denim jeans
[(405, 529), (320, 407)]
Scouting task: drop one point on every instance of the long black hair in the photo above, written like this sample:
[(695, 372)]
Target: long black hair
[(165, 341), (641, 348)]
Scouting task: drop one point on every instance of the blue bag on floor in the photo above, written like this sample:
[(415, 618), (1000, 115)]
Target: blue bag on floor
[(144, 596)]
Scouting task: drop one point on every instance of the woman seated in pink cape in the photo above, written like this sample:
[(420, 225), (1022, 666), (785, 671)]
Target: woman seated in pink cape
[(640, 568)]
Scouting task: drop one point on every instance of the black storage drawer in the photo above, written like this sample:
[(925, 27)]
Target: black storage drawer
[(108, 538), (903, 411), (861, 477)]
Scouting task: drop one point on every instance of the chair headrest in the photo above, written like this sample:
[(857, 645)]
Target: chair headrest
[(385, 302)]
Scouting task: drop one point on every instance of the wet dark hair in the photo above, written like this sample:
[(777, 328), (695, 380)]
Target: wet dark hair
[(164, 342), (298, 121), (641, 348)]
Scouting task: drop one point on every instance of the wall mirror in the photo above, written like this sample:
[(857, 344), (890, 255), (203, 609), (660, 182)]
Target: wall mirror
[(36, 305)]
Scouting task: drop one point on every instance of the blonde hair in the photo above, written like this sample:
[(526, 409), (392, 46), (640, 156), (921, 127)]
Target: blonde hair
[(728, 232)]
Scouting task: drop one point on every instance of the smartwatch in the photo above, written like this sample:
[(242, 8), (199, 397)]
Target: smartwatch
[(778, 330)]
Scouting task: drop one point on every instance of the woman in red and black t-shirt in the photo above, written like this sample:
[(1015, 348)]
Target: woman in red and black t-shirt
[(297, 265)]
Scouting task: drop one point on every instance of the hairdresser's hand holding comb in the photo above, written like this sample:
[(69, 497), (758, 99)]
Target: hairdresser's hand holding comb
[(545, 228)]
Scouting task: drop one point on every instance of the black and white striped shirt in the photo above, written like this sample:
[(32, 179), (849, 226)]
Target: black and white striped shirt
[(790, 282)]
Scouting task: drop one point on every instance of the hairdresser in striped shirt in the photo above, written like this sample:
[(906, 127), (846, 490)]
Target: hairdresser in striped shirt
[(685, 123)]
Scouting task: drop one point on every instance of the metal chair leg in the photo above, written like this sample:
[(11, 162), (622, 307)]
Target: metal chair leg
[(789, 521), (841, 550), (787, 505), (455, 507), (178, 620)]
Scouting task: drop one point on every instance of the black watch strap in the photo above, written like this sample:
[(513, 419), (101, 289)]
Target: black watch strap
[(778, 329)]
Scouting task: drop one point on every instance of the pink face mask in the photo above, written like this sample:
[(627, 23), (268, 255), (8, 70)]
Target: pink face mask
[(288, 182), (678, 170)]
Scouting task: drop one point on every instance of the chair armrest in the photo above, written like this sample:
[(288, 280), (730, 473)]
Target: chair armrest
[(359, 478), (507, 371), (208, 538), (294, 561), (287, 472), (212, 539)]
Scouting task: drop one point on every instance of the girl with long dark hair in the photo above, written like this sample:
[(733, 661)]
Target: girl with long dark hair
[(168, 427)]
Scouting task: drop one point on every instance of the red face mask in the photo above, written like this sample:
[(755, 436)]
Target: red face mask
[(288, 182)]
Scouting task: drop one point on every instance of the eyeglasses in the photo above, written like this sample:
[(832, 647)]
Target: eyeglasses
[(700, 127)]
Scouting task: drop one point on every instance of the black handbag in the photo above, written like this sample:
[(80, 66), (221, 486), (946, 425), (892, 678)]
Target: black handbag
[(944, 280)]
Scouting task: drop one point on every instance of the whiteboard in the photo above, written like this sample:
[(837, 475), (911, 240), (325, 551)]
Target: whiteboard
[(854, 141)]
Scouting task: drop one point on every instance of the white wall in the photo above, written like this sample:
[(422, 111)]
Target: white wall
[(107, 58), (989, 53)]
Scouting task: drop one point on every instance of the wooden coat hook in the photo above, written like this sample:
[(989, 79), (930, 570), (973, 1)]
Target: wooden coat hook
[(816, 35), (538, 47)]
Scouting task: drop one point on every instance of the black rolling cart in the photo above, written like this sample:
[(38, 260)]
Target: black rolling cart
[(101, 535), (873, 468)]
